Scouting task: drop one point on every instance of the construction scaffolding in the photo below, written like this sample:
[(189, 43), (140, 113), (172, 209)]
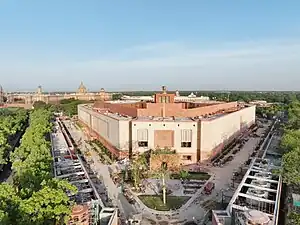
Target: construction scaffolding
[(69, 166)]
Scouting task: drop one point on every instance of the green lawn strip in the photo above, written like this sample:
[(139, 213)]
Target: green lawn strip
[(192, 176), (79, 125), (156, 202), (199, 176), (102, 153)]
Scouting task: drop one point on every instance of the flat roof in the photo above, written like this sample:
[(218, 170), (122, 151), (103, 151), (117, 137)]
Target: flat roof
[(104, 111), (119, 116), (164, 119)]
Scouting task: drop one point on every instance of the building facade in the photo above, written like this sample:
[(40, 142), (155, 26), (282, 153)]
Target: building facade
[(196, 131), (81, 94)]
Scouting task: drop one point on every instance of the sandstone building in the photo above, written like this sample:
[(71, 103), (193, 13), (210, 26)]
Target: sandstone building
[(81, 94), (196, 130)]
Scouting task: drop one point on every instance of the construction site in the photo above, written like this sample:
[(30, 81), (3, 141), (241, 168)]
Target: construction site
[(68, 165), (257, 197)]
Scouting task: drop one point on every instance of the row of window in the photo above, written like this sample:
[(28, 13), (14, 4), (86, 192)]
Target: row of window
[(183, 144)]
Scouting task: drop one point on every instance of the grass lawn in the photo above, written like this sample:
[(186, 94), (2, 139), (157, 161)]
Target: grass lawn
[(193, 176), (199, 176), (156, 202)]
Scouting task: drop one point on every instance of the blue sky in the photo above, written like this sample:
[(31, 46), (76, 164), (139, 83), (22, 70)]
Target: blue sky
[(141, 45)]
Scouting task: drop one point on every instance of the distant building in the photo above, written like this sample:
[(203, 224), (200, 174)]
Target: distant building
[(177, 98), (81, 94), (196, 130), (260, 103)]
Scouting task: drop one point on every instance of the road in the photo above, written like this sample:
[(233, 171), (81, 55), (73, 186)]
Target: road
[(102, 171), (222, 179), (6, 174)]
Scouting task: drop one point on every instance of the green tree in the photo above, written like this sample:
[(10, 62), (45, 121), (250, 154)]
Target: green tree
[(48, 204), (184, 174), (39, 104), (291, 166), (138, 167), (117, 96), (40, 199), (163, 174), (290, 140), (9, 204), (294, 218)]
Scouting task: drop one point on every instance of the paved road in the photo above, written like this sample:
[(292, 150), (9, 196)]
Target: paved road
[(102, 170), (194, 210)]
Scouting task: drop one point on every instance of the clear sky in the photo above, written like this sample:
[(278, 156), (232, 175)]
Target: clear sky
[(143, 44)]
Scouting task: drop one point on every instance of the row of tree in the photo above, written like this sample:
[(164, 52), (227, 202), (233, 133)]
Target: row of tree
[(290, 143), (11, 123), (67, 106), (35, 197)]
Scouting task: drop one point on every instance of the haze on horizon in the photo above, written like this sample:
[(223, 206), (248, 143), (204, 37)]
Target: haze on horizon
[(141, 45)]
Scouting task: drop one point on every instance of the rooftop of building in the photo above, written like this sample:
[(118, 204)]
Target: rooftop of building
[(121, 116)]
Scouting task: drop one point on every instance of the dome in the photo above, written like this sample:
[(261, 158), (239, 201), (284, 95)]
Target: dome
[(82, 88), (192, 95), (257, 217)]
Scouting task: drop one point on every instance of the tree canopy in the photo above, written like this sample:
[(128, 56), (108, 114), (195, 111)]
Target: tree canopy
[(290, 143), (11, 122), (35, 197)]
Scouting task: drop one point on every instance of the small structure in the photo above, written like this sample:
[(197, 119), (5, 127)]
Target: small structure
[(80, 215), (296, 200)]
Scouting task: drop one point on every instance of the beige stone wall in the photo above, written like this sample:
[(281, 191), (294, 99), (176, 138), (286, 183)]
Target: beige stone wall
[(115, 131), (215, 133), (176, 126)]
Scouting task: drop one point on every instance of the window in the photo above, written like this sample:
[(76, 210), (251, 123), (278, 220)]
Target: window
[(186, 138), (142, 137), (187, 157), (186, 144), (143, 143)]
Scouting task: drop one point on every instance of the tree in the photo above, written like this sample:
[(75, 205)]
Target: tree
[(184, 175), (290, 170), (48, 204), (39, 104), (291, 166), (35, 197), (11, 122), (290, 140), (163, 173), (138, 167), (9, 204), (117, 96), (294, 218)]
